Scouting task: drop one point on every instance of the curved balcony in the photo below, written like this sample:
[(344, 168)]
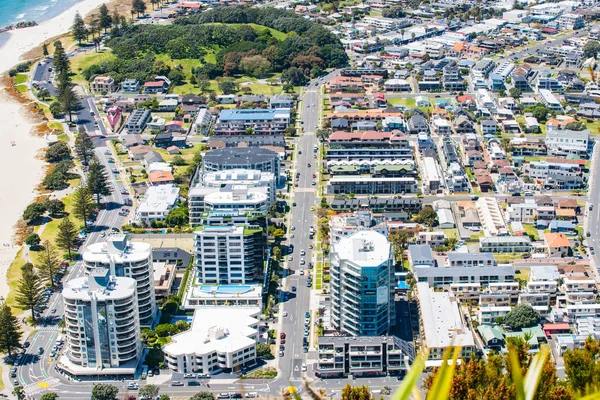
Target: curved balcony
[(127, 307), (127, 336), (127, 349)]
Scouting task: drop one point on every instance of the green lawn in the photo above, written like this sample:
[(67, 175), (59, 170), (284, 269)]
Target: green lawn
[(83, 61), (594, 127), (55, 125), (12, 277), (408, 103), (531, 231), (187, 154), (22, 88), (259, 28), (451, 233), (21, 78)]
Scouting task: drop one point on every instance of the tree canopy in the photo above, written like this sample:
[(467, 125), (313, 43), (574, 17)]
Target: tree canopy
[(240, 48), (522, 316)]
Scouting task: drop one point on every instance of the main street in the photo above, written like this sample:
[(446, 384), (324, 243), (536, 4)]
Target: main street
[(36, 372)]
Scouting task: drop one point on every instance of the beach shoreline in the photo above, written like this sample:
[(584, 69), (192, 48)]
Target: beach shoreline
[(18, 147)]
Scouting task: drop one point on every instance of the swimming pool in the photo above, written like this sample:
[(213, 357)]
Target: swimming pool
[(226, 289)]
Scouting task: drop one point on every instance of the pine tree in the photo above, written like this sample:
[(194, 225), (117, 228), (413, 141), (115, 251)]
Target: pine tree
[(67, 233), (68, 99), (105, 19), (29, 290), (84, 147), (48, 263), (82, 204), (116, 19), (78, 30), (139, 7), (45, 50), (97, 180), (61, 61), (10, 332)]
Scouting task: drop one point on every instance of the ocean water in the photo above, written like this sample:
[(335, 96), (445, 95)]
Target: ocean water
[(13, 11)]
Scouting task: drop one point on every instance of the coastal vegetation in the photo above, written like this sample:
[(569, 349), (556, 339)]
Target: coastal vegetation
[(221, 45)]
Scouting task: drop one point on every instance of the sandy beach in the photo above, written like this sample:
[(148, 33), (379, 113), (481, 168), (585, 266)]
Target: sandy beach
[(23, 171)]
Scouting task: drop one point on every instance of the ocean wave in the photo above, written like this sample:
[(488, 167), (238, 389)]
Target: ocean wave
[(20, 16)]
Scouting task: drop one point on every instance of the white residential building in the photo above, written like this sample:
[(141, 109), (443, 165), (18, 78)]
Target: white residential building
[(224, 181), (442, 323), (124, 258), (547, 98), (522, 212), (568, 141), (230, 255), (346, 224), (397, 85), (157, 203), (240, 198), (463, 268), (432, 180), (491, 217), (102, 326), (220, 339)]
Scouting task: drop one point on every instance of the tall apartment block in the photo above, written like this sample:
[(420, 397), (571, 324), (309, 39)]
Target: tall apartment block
[(102, 325), (229, 254), (124, 258), (362, 284)]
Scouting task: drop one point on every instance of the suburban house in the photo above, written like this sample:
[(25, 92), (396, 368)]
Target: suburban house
[(104, 84), (557, 244)]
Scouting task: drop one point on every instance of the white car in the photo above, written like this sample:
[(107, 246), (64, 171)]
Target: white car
[(133, 386), (301, 272), (304, 368)]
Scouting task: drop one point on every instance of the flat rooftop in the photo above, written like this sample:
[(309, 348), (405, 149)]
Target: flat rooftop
[(442, 322), (221, 329)]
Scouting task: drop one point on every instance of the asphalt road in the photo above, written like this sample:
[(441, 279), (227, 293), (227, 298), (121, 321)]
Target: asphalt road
[(35, 369), (592, 223)]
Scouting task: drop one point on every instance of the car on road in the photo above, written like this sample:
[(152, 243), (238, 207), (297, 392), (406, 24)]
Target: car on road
[(302, 272), (290, 258), (133, 386), (302, 252), (223, 396), (41, 351), (304, 368), (193, 383), (591, 207), (189, 376), (124, 191), (281, 347), (281, 354), (53, 311), (294, 204), (282, 335), (285, 314), (308, 165), (282, 342), (310, 246), (13, 372), (293, 228), (176, 383), (312, 208), (293, 288), (587, 234)]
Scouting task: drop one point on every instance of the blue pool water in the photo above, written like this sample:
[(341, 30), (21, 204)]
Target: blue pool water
[(226, 289)]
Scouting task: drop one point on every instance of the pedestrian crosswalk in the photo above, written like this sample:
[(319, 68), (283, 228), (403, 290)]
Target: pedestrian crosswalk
[(49, 328), (37, 387)]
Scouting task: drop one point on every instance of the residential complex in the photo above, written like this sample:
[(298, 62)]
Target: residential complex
[(102, 325), (361, 284), (125, 258)]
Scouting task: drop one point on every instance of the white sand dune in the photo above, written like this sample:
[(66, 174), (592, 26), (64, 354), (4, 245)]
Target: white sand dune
[(20, 169)]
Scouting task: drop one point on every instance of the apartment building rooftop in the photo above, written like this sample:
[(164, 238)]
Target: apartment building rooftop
[(441, 319)]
